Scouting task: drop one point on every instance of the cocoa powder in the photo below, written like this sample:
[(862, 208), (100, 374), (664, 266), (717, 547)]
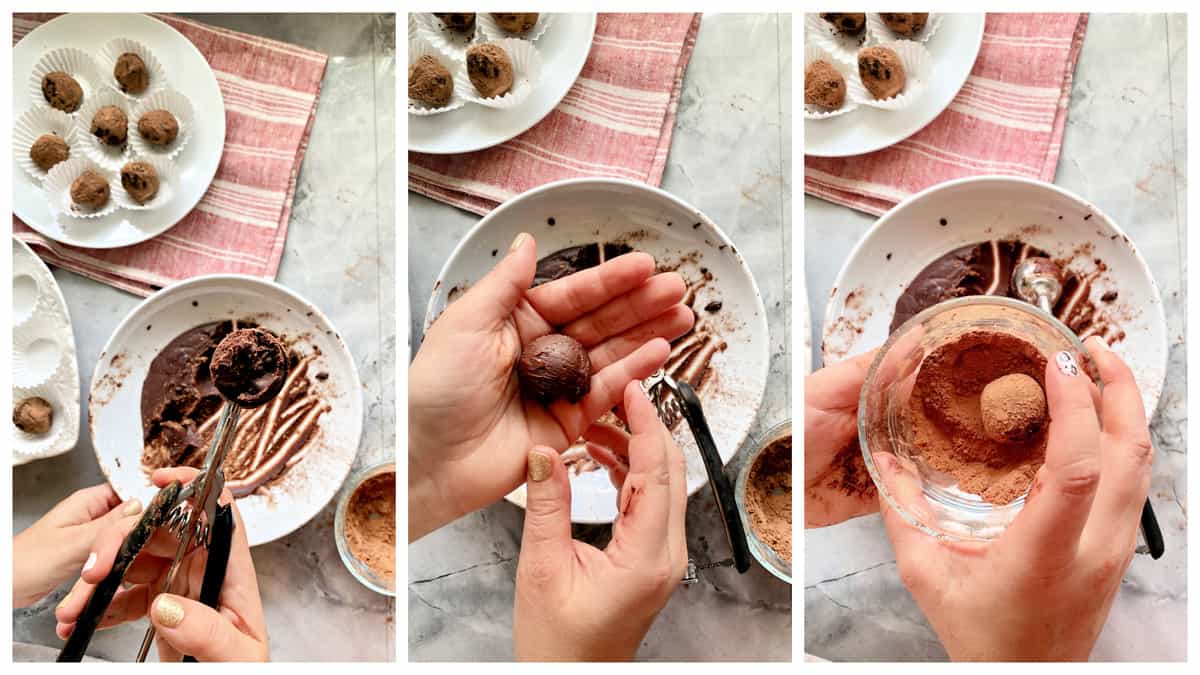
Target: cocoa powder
[(371, 524), (769, 497)]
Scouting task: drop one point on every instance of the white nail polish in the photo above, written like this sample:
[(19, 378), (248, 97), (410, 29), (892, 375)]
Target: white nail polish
[(1066, 364), (91, 561)]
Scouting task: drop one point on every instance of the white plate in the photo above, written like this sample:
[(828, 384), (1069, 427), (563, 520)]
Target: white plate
[(40, 316), (114, 404), (595, 209), (186, 70), (977, 209), (564, 49), (954, 49)]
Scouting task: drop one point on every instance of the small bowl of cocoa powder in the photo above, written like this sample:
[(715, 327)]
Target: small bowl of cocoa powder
[(764, 500), (365, 528)]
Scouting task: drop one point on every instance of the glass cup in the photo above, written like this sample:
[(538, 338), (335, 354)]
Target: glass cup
[(365, 575), (764, 554)]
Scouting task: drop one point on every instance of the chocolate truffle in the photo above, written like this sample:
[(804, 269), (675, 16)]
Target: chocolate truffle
[(62, 91), (249, 367), (110, 125), (140, 180), (49, 150), (430, 82), (131, 73), (824, 86), (1013, 408), (158, 127), (846, 24), (905, 24), (881, 71), (554, 366), (515, 23), (490, 70), (90, 190), (459, 23), (33, 415)]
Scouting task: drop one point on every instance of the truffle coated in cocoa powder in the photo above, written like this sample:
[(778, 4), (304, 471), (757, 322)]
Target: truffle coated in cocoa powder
[(89, 190), (459, 22), (824, 86), (110, 125), (49, 150), (131, 73), (515, 23), (905, 24), (490, 70), (430, 82), (1013, 408), (62, 91), (33, 415), (553, 367), (158, 127), (845, 23), (249, 367), (881, 71), (140, 180)]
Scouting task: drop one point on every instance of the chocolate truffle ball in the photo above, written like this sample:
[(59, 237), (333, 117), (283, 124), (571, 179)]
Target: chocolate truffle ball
[(905, 24), (140, 180), (430, 82), (62, 91), (131, 73), (249, 367), (49, 150), (824, 86), (90, 190), (846, 24), (33, 415), (1013, 408), (110, 125), (515, 23), (158, 127), (459, 23), (881, 71), (554, 367), (490, 70)]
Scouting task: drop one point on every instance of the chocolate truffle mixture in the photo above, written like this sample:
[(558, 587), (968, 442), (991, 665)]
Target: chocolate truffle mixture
[(371, 524), (769, 497), (554, 367)]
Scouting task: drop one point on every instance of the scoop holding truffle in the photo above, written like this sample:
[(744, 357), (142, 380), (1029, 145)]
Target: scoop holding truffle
[(249, 367), (554, 367), (1012, 408)]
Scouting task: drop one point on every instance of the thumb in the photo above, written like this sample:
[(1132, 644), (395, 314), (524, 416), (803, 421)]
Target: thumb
[(498, 293), (547, 533), (198, 630)]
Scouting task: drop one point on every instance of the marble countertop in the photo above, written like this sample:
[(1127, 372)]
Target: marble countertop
[(1125, 150), (730, 157), (306, 591)]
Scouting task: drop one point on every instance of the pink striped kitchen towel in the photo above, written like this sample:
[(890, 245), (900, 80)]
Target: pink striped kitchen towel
[(616, 121), (1008, 119), (240, 225)]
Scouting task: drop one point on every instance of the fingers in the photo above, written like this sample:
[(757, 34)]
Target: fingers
[(494, 297), (547, 534), (192, 628), (837, 387), (90, 502), (653, 297), (564, 300), (643, 530), (104, 549), (608, 385), (1121, 411), (609, 446), (669, 325), (1048, 529), (128, 604)]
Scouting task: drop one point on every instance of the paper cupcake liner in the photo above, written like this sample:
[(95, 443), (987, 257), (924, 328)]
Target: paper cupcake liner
[(29, 298), (841, 47), (527, 71), (173, 102), (37, 354), (412, 27), (458, 70), (108, 156), (168, 184), (75, 62), (814, 53), (108, 60), (29, 445), (58, 188), (879, 33), (34, 123), (492, 32), (918, 68), (451, 43)]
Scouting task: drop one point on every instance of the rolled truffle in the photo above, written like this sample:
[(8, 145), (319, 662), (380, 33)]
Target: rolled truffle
[(459, 23), (490, 70), (89, 190), (110, 125), (846, 24), (515, 23), (62, 91), (824, 86), (881, 71), (158, 127), (140, 180), (905, 24), (249, 367), (33, 415), (131, 73), (430, 82), (554, 367), (1012, 408), (49, 150)]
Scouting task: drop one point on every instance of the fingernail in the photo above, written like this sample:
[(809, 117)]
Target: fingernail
[(540, 466), (518, 241), (1066, 364), (132, 507), (90, 562), (64, 600), (168, 612), (1096, 342)]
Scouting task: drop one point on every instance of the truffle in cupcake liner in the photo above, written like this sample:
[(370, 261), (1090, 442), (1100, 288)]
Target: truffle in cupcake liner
[(88, 200), (837, 44), (813, 54), (145, 183), (37, 408), (493, 28), (70, 78), (916, 66), (129, 67), (98, 127), (155, 134), (421, 49), (40, 137), (879, 31), (441, 37), (526, 65)]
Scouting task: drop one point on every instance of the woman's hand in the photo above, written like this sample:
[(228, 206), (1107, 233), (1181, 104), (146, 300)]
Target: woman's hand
[(1043, 590), (235, 631), (53, 549), (469, 428), (575, 602)]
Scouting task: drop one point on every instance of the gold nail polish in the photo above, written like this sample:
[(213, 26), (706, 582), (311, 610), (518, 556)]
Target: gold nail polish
[(540, 467), (168, 612), (518, 241), (64, 600), (132, 507)]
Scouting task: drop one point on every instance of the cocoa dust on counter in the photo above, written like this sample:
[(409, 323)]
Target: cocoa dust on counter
[(769, 497), (371, 524)]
